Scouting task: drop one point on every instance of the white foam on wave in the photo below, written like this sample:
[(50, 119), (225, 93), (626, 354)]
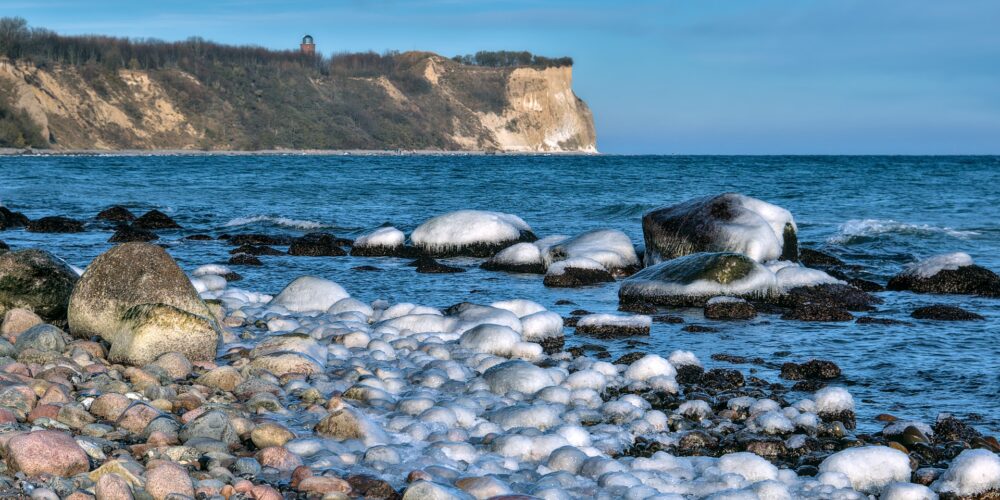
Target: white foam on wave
[(860, 228), (278, 221)]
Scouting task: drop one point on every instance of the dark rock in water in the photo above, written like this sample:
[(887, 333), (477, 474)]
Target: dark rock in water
[(812, 385), (949, 428), (699, 225), (865, 285), (611, 331), (317, 245), (737, 360), (552, 345), (366, 268), (573, 277), (830, 295), (199, 237), (116, 213), (942, 312), (732, 309), (699, 329), (871, 320), (55, 224), (666, 318), (812, 369), (155, 219), (126, 234), (846, 417), (814, 258), (565, 302), (10, 219), (580, 312), (571, 321), (689, 374), (242, 259), (427, 265), (35, 280), (4, 247), (722, 379), (464, 233), (256, 250), (817, 312), (232, 276), (491, 265), (966, 280), (257, 239), (628, 359)]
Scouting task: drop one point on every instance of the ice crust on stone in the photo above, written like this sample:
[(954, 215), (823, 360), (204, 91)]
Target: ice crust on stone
[(211, 269), (610, 248), (519, 254), (932, 265), (309, 293), (794, 276), (467, 227), (616, 320), (869, 468), (973, 472), (759, 281), (834, 399), (559, 268), (382, 237)]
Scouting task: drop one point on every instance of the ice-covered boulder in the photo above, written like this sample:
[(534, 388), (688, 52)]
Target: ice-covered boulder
[(576, 272), (953, 273), (490, 339), (310, 294), (972, 474), (614, 325), (869, 468), (382, 242), (610, 248), (473, 233), (728, 222), (694, 279), (517, 375), (517, 258)]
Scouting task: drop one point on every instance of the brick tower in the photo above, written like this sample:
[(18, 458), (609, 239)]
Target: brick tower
[(307, 46)]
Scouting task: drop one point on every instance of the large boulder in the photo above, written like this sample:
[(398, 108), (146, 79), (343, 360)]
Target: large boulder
[(472, 233), (124, 277), (309, 294), (55, 224), (694, 279), (35, 280), (728, 222), (147, 331), (953, 273), (46, 452), (382, 242)]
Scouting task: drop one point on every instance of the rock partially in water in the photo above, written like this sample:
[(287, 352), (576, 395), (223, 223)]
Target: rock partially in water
[(829, 295), (427, 265), (728, 222), (317, 245), (943, 312), (257, 239), (472, 233), (125, 276), (815, 258), (155, 219), (310, 293), (147, 331), (818, 369), (576, 272), (518, 258), (694, 279), (610, 248), (35, 280), (126, 234), (382, 242), (244, 259), (10, 219), (55, 224), (818, 312), (116, 213), (947, 274), (613, 326), (729, 308)]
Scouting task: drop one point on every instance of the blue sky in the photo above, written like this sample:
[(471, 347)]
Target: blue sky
[(695, 76)]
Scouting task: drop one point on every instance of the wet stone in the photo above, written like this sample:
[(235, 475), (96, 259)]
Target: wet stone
[(941, 312), (243, 259), (818, 312), (55, 224), (812, 369), (155, 219), (428, 265), (256, 250)]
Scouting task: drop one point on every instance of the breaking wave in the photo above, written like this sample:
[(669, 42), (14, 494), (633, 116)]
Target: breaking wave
[(854, 230), (277, 221)]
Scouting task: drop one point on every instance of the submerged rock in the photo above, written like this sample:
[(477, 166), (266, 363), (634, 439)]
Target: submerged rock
[(473, 233), (257, 239), (942, 312), (35, 280), (317, 245), (126, 276), (155, 219), (55, 224), (116, 213), (694, 279), (428, 265), (728, 222), (10, 219), (126, 234), (947, 274)]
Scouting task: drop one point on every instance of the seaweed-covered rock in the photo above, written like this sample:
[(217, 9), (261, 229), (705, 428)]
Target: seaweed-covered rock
[(818, 312), (155, 219), (125, 276), (947, 274), (55, 224), (317, 245), (693, 279), (244, 259), (472, 233), (830, 295), (257, 239), (818, 369), (35, 280), (10, 219), (256, 250), (728, 222), (116, 213), (942, 312)]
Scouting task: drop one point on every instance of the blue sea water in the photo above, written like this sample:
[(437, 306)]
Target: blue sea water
[(878, 213)]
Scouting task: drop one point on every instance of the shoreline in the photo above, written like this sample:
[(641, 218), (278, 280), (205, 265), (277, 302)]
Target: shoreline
[(281, 152)]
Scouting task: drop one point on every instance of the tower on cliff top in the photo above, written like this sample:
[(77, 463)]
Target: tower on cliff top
[(307, 46)]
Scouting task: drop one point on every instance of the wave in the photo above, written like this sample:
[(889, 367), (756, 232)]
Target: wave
[(858, 229), (277, 221), (623, 209)]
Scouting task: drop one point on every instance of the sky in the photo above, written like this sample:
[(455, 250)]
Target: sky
[(661, 76)]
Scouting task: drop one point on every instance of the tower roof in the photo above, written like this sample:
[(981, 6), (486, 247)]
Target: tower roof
[(307, 40)]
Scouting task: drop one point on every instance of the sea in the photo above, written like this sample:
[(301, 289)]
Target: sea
[(877, 213)]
